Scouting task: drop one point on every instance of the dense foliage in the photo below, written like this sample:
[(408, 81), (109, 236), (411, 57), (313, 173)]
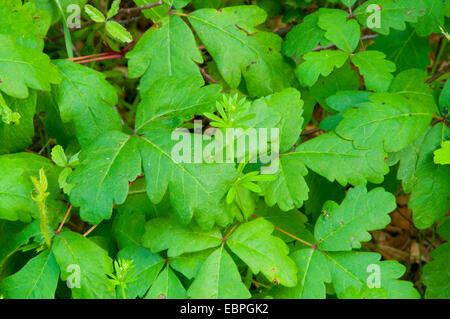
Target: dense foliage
[(94, 205)]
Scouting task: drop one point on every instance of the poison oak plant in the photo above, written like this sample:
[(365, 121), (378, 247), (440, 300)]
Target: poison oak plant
[(93, 204)]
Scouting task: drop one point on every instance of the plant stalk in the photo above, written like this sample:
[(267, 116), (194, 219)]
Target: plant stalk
[(438, 57), (67, 37)]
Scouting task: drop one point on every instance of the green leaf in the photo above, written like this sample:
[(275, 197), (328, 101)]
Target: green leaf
[(52, 8), (344, 227), (407, 167), (7, 115), (348, 3), (343, 100), (141, 142), (443, 228), (49, 114), (297, 43), (442, 155), (432, 19), (138, 204), (167, 50), (58, 156), (118, 32), (390, 119), (199, 4), (108, 165), (27, 24), (71, 251), (323, 190), (262, 252), (252, 187), (340, 31), (22, 68), (128, 228), (342, 79), (292, 221), (189, 264), (435, 274), (180, 99), (289, 190), (114, 9), (242, 202), (94, 13), (313, 273), (411, 84), (267, 112), (146, 267), (289, 105), (15, 235), (365, 293), (195, 189), (346, 271), (392, 14), (319, 63), (62, 180), (218, 278), (87, 99), (157, 13), (36, 280), (444, 98), (317, 266), (17, 125), (165, 233), (358, 269), (430, 196), (251, 53), (166, 286), (115, 152), (405, 48), (337, 159), (16, 186), (375, 69)]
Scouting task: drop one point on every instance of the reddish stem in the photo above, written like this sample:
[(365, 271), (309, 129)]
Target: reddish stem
[(362, 44), (290, 235), (441, 119), (88, 56), (108, 57), (127, 48), (64, 220), (148, 6), (90, 230)]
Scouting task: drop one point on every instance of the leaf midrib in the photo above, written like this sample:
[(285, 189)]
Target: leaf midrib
[(197, 181), (230, 34)]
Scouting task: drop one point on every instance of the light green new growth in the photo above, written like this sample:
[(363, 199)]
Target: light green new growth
[(40, 197)]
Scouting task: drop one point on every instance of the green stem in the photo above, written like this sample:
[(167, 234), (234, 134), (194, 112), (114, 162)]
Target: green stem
[(438, 57), (122, 288), (248, 278), (230, 143), (420, 250), (67, 38), (240, 203), (44, 229), (44, 146)]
